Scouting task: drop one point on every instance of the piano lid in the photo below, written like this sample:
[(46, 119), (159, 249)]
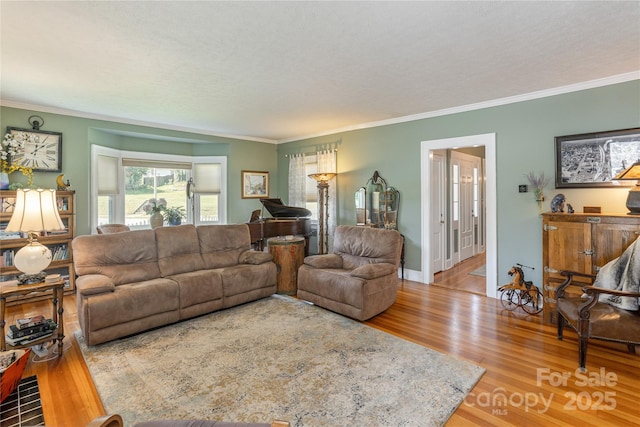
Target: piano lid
[(279, 210)]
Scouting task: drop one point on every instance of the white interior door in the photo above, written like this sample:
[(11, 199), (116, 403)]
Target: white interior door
[(437, 205), (465, 204), (491, 242)]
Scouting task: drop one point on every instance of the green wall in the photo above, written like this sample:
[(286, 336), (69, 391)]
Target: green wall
[(78, 134), (525, 134)]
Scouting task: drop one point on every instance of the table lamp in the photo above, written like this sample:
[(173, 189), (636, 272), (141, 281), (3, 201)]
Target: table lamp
[(629, 174), (35, 211), (323, 208)]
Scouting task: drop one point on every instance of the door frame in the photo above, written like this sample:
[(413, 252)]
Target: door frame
[(489, 142)]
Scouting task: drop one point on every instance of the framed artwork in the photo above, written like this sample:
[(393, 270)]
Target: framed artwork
[(593, 159), (42, 149), (255, 185)]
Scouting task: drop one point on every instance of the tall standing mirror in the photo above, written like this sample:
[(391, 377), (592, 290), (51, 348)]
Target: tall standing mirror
[(377, 204)]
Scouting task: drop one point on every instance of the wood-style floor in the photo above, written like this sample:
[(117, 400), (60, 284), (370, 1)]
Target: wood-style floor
[(458, 277), (530, 379)]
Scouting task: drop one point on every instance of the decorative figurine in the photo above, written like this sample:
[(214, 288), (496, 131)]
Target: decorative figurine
[(557, 204), (570, 208)]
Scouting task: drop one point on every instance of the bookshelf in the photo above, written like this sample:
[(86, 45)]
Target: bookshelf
[(59, 242)]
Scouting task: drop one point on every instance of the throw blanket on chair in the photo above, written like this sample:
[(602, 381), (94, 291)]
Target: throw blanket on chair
[(621, 274)]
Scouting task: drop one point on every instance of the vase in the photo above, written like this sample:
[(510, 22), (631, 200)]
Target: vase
[(4, 181), (175, 221), (156, 220)]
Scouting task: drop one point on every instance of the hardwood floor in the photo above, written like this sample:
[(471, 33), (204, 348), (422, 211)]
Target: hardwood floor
[(525, 364), (458, 276)]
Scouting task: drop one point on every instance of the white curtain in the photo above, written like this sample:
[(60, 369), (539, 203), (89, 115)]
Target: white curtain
[(297, 181), (327, 163)]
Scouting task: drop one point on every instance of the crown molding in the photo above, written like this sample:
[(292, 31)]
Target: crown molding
[(84, 115), (606, 81)]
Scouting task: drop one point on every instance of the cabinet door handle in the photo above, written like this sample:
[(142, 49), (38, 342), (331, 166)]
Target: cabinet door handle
[(587, 252), (550, 270), (548, 227)]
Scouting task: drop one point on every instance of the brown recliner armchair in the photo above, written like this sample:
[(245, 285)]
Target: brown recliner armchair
[(360, 278), (112, 228), (593, 318)]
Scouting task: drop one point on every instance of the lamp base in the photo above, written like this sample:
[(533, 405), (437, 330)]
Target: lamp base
[(30, 279), (633, 201)]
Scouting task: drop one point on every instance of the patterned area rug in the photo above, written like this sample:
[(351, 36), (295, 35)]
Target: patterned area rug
[(278, 358)]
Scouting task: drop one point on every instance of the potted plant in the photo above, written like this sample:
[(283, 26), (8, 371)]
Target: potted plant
[(174, 216)]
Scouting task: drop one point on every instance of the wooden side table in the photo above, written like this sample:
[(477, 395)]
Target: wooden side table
[(57, 288), (288, 254)]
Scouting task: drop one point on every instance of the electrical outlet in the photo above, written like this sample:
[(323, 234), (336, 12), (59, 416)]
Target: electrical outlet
[(523, 188)]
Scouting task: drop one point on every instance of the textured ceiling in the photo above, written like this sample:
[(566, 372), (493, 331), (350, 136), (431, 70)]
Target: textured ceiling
[(282, 70)]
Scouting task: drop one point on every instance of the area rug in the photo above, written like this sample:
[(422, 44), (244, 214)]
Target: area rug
[(278, 358), (480, 271)]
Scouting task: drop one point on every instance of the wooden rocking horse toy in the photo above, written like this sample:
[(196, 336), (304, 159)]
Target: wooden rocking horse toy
[(521, 293)]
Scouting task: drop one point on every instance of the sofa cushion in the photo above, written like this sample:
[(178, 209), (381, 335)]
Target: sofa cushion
[(244, 278), (198, 286), (92, 284), (371, 271), (324, 261), (363, 245), (255, 257), (123, 257), (178, 249), (132, 301), (221, 245)]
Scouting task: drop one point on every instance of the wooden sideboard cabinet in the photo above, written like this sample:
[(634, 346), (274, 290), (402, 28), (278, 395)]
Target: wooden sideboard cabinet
[(59, 242), (583, 243)]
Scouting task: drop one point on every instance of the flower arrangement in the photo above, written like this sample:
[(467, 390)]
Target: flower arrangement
[(12, 144), (174, 215), (155, 205), (538, 183)]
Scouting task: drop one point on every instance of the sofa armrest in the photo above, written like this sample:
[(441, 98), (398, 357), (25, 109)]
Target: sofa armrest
[(92, 284), (254, 257), (324, 261), (373, 271)]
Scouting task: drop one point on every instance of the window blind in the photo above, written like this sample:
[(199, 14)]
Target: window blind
[(107, 175), (207, 177)]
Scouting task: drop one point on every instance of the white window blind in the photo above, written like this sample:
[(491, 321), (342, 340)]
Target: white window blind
[(107, 175), (207, 177), (158, 164)]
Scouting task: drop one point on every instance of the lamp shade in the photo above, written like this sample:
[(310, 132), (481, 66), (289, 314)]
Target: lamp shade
[(633, 199), (323, 177), (630, 173), (35, 211)]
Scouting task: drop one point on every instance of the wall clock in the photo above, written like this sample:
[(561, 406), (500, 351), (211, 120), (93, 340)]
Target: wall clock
[(42, 150)]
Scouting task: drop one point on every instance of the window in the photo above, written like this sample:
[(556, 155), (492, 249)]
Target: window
[(456, 192), (124, 182)]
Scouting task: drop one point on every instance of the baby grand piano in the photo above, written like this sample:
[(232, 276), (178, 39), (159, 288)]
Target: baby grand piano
[(286, 221)]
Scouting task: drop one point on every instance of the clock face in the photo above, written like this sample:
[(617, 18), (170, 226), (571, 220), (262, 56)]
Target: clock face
[(42, 150)]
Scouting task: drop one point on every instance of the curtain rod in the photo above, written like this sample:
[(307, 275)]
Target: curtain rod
[(312, 153)]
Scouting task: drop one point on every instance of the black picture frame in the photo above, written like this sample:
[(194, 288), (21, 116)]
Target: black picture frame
[(54, 148), (593, 159)]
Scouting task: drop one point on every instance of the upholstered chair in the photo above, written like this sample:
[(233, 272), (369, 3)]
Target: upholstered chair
[(112, 228), (360, 278)]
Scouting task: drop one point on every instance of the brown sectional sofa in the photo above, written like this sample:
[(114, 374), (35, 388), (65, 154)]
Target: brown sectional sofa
[(134, 281)]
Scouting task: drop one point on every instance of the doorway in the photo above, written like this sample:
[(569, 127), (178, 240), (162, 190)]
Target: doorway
[(430, 217)]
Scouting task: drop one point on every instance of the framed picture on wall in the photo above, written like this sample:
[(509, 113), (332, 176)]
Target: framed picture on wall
[(593, 159), (255, 185)]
